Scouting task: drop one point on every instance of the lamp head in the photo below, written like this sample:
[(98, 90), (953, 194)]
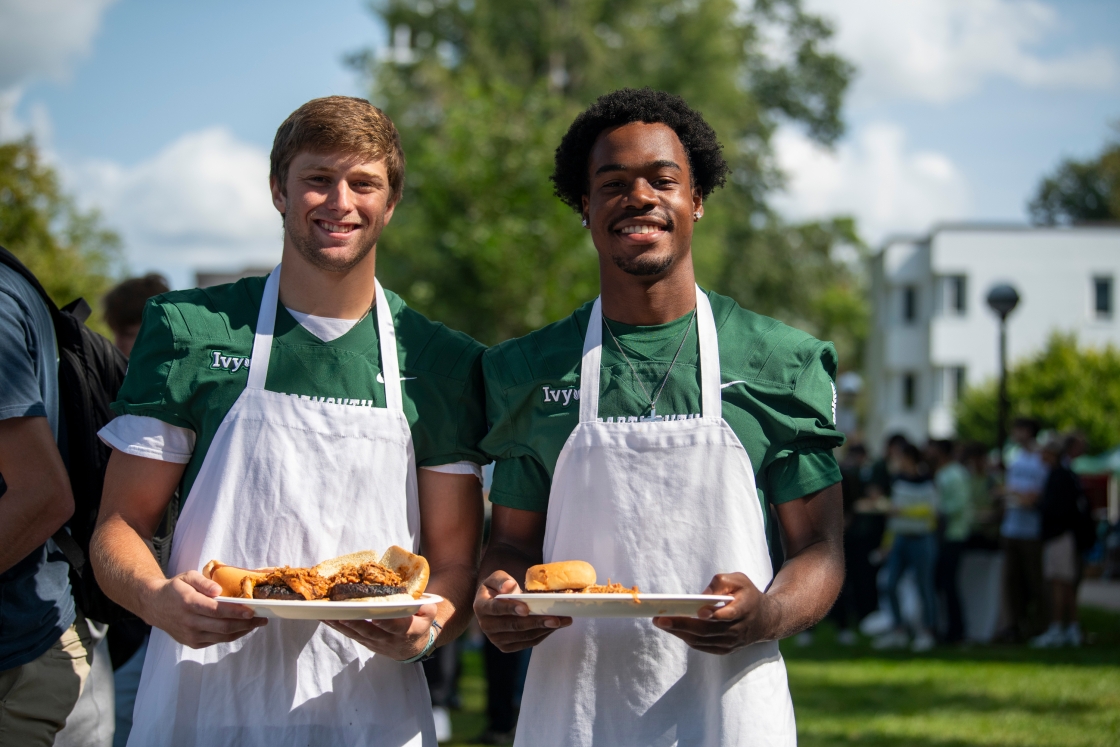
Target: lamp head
[(1003, 299)]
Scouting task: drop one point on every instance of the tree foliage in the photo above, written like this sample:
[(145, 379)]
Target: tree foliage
[(1080, 191), (67, 249), (483, 90), (1064, 387)]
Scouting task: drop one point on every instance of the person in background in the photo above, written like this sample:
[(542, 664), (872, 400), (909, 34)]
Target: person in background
[(858, 595), (124, 307), (128, 639), (981, 484), (45, 649), (954, 492), (913, 524), (1021, 536), (881, 477), (1059, 511)]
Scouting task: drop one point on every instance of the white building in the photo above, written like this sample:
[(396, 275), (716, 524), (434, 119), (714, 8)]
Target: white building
[(932, 332)]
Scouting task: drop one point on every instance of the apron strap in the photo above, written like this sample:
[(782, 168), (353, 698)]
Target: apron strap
[(266, 324), (387, 338), (711, 402), (711, 395), (589, 372)]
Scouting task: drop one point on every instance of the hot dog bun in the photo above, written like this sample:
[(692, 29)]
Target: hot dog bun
[(413, 569), (232, 579), (560, 576)]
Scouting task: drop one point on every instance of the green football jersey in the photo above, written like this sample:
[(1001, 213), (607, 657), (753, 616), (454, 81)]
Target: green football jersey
[(190, 364), (778, 397)]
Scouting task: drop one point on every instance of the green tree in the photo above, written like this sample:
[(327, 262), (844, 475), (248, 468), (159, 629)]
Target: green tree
[(1064, 387), (482, 91), (1080, 191), (69, 250)]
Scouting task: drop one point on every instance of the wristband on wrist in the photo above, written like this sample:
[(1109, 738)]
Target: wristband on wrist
[(429, 650)]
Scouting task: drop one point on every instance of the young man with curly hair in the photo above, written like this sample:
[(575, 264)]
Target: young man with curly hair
[(649, 433)]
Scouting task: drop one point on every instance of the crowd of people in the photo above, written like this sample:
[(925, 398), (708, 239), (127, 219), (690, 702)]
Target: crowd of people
[(919, 510)]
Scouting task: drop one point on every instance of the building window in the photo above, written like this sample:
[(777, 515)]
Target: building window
[(909, 393), (956, 296), (909, 304), (948, 385), (1102, 297)]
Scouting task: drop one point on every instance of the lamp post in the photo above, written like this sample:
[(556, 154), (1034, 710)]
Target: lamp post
[(1002, 299)]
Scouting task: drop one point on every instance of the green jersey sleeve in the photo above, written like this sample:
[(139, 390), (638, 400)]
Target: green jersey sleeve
[(521, 479), (804, 463), (147, 389)]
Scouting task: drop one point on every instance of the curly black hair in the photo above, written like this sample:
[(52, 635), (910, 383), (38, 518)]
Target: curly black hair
[(626, 105)]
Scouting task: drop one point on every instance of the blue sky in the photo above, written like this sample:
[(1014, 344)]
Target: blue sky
[(161, 114)]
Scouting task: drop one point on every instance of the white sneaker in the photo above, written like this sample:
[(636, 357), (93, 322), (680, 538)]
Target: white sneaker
[(923, 641), (893, 639), (847, 637), (1052, 638), (442, 717), (1073, 635)]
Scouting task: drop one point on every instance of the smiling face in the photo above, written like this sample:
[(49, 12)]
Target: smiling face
[(334, 206), (641, 204)]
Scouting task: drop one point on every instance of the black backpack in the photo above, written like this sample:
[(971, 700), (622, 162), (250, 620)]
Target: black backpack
[(90, 373)]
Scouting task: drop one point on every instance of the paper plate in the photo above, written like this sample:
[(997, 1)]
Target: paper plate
[(618, 605), (365, 610)]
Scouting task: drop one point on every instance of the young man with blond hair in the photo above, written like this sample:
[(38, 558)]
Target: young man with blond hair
[(292, 412)]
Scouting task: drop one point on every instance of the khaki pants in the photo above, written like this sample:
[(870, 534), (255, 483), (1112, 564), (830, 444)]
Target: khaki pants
[(36, 698)]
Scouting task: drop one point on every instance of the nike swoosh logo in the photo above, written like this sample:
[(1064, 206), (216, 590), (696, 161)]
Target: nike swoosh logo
[(381, 379), (732, 383)]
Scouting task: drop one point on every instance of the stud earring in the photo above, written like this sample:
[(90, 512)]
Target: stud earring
[(585, 222), (696, 215)]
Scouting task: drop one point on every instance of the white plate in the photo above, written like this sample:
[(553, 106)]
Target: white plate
[(617, 605), (295, 610)]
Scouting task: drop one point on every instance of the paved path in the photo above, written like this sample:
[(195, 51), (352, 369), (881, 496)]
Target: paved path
[(1097, 593)]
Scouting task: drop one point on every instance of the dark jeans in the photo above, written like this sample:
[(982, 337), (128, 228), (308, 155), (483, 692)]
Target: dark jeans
[(1023, 588), (503, 672), (859, 597), (917, 551), (442, 672), (948, 568)]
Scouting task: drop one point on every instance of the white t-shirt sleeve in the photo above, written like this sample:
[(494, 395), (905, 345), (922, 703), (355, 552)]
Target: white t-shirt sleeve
[(458, 468), (152, 438)]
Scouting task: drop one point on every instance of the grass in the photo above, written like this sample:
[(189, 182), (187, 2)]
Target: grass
[(995, 696)]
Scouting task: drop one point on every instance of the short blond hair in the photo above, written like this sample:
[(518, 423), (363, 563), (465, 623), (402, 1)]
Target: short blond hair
[(339, 123)]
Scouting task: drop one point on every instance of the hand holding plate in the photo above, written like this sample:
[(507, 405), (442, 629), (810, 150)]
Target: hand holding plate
[(722, 630), (506, 622), (400, 638), (183, 606)]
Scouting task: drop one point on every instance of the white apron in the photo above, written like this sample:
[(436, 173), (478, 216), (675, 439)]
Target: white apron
[(665, 505), (291, 481)]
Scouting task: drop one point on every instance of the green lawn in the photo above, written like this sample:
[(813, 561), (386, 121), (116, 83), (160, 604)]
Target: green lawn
[(953, 697)]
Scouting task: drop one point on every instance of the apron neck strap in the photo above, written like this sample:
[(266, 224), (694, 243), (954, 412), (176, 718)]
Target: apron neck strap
[(387, 338), (589, 371), (386, 335), (266, 324), (710, 394)]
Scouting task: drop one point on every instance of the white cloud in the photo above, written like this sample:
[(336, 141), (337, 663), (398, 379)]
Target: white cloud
[(42, 38), (202, 201), (872, 176), (941, 50)]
